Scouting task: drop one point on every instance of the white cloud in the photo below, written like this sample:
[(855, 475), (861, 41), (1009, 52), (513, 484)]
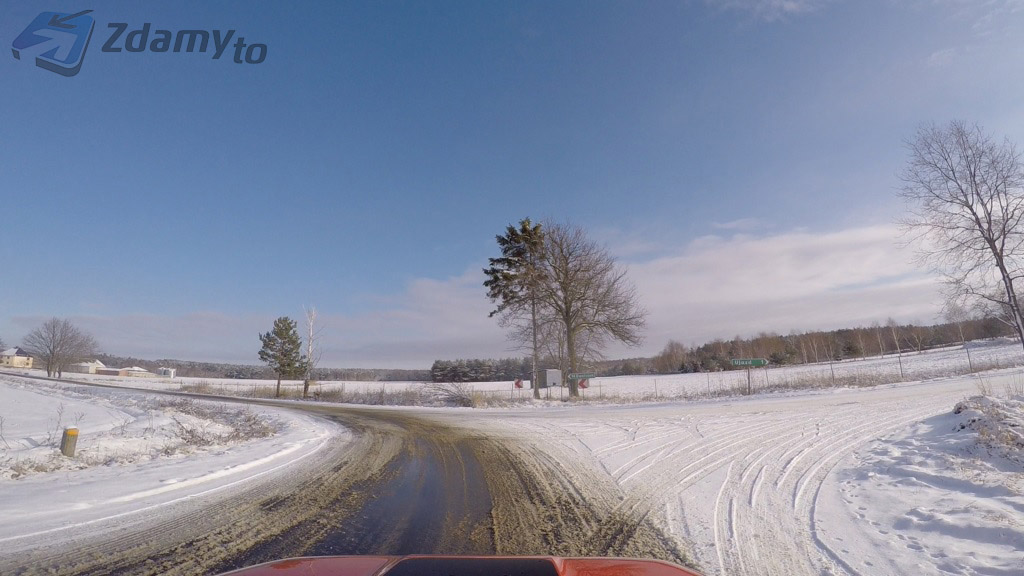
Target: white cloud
[(722, 286), (431, 319), (745, 224), (943, 58), (769, 10), (716, 286), (200, 336)]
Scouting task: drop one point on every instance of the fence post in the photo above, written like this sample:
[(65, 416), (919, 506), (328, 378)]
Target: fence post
[(68, 442)]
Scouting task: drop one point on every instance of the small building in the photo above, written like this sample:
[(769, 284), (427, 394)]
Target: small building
[(167, 372), (550, 378), (136, 372), (89, 367), (15, 358)]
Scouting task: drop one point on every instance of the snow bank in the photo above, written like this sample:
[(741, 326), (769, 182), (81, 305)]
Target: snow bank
[(998, 424), (128, 430), (136, 454), (944, 496)]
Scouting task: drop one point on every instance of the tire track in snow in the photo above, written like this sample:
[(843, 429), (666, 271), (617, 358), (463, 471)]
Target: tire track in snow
[(749, 482)]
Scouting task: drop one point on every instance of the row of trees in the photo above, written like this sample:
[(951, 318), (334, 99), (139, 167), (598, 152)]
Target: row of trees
[(823, 346), (793, 348), (561, 295), (477, 370)]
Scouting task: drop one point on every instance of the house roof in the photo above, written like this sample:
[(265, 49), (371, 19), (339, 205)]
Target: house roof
[(135, 369), (16, 351)]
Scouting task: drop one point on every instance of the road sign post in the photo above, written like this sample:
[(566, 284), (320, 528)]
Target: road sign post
[(749, 363), (580, 376)]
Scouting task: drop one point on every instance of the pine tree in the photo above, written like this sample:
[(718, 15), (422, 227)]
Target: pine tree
[(513, 281), (282, 351)]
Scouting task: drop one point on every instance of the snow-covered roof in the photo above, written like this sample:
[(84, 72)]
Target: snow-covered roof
[(16, 351), (95, 363), (135, 369)]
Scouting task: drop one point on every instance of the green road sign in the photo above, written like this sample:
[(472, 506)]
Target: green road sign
[(580, 376), (753, 362)]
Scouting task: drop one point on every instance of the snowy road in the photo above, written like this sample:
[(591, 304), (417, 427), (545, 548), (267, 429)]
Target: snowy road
[(389, 481), (849, 481), (740, 483)]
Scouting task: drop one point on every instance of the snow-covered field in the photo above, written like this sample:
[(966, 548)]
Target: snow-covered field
[(884, 480), (135, 454), (864, 480), (943, 362)]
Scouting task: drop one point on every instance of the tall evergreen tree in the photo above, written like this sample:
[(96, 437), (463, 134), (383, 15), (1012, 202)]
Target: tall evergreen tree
[(513, 281), (282, 351)]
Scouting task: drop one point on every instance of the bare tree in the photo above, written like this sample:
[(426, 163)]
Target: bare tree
[(671, 358), (878, 333), (919, 336), (313, 351), (588, 295), (966, 196), (58, 343)]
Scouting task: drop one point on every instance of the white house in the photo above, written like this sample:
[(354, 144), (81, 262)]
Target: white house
[(15, 358), (167, 372)]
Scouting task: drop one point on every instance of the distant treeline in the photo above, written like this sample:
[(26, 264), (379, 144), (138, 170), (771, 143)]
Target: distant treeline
[(715, 356), (820, 346), (192, 369)]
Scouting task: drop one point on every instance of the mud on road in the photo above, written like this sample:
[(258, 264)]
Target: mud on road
[(405, 483)]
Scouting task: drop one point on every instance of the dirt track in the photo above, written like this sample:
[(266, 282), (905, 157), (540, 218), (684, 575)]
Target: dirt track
[(406, 483)]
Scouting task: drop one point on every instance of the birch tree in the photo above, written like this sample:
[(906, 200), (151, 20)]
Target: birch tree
[(956, 314), (313, 350)]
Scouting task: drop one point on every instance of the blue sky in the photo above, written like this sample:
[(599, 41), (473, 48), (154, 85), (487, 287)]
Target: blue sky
[(740, 157)]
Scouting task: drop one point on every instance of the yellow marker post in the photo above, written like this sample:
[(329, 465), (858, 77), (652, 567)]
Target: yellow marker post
[(69, 441)]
